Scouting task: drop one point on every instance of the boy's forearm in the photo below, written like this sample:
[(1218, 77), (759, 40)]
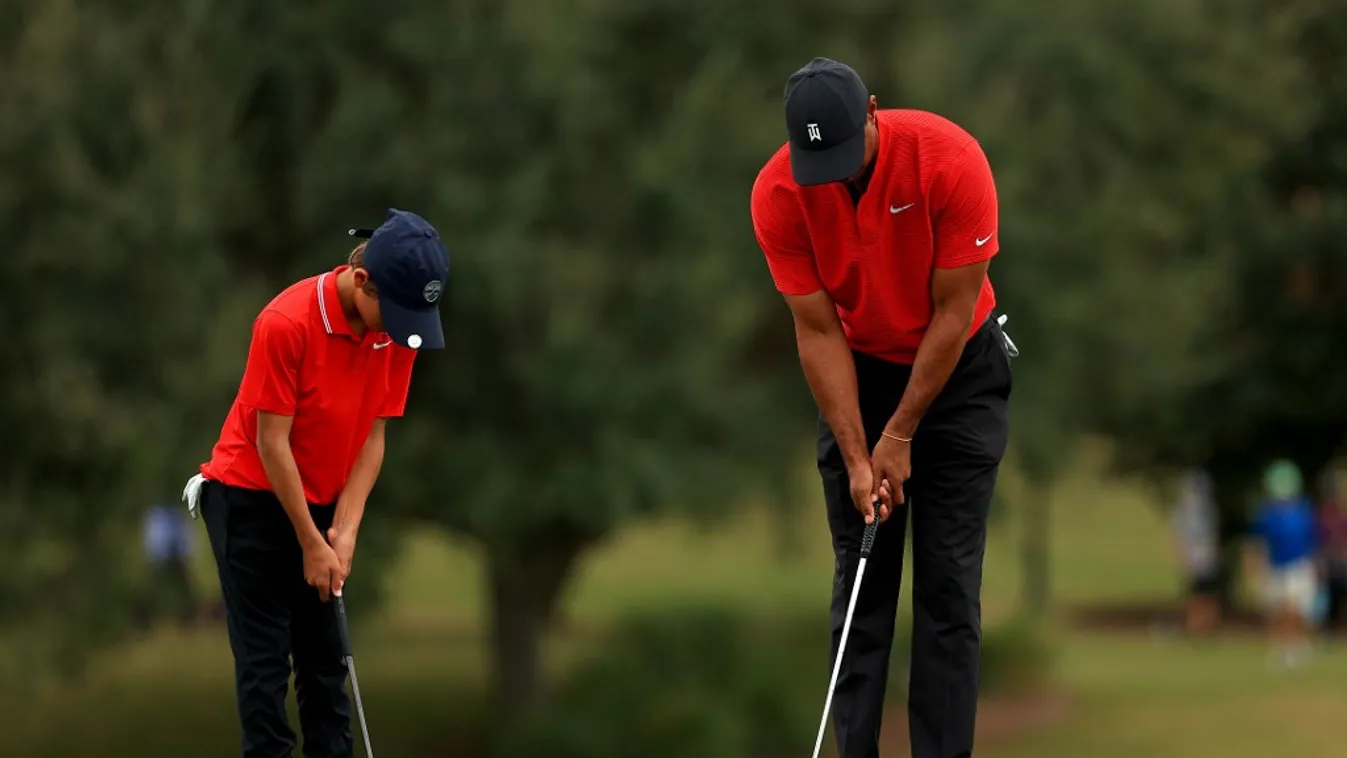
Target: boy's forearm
[(278, 460), (350, 509)]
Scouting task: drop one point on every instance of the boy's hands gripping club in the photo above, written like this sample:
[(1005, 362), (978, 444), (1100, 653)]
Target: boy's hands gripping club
[(327, 564), (323, 570), (343, 542)]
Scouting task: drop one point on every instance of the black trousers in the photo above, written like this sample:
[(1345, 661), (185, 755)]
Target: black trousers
[(275, 617), (956, 452)]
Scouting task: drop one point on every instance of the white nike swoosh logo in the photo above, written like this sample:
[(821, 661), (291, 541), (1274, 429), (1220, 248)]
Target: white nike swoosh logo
[(896, 209), (984, 240), (382, 345)]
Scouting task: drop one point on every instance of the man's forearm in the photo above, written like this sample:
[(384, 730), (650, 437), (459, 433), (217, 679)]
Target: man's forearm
[(937, 356), (351, 502), (831, 373), (279, 463)]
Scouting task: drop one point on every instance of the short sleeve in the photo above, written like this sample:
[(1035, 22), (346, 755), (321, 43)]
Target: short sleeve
[(271, 378), (399, 382), (964, 212), (779, 229)]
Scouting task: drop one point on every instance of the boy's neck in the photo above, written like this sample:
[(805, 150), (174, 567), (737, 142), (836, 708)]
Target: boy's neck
[(346, 296)]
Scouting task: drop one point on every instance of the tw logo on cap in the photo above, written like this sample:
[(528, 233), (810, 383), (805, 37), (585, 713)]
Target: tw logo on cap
[(827, 108)]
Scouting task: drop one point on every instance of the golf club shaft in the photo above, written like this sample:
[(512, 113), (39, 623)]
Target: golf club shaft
[(359, 707), (342, 627), (867, 543), (837, 663), (349, 660)]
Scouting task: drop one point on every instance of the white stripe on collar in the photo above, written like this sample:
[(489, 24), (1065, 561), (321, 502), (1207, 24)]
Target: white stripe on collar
[(322, 302)]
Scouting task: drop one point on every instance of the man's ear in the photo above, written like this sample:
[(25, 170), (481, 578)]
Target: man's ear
[(361, 277)]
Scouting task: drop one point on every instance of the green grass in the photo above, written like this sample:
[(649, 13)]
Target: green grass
[(421, 659), (1157, 696), (1172, 698)]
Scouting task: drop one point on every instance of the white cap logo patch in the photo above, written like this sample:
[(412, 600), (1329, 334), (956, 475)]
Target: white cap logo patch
[(414, 341), (431, 292)]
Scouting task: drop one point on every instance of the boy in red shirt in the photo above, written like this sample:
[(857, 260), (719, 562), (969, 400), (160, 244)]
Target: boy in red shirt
[(878, 228), (285, 488)]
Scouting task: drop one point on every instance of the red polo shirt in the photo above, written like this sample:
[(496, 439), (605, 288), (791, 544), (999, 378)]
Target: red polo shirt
[(304, 361), (931, 203)]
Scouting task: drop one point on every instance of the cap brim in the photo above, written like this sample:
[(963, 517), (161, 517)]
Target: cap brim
[(402, 324), (810, 167)]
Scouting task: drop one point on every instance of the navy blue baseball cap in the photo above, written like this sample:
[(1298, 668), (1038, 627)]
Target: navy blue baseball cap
[(826, 108), (408, 264)]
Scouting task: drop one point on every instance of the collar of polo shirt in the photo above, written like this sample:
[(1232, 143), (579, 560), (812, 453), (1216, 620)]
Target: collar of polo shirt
[(329, 307)]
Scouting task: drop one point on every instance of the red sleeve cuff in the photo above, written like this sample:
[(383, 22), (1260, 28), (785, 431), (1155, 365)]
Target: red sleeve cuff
[(969, 259), (275, 409)]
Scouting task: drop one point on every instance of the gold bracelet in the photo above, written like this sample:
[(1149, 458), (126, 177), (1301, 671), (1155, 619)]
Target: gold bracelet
[(896, 437)]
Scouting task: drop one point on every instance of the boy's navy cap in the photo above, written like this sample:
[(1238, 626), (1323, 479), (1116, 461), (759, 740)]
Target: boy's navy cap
[(408, 264), (826, 107)]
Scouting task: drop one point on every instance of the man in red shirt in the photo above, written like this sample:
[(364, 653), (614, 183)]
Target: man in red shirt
[(878, 228), (284, 491)]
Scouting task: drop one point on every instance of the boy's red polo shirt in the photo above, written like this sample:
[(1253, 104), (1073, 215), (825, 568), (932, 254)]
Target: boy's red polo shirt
[(304, 361), (931, 203)]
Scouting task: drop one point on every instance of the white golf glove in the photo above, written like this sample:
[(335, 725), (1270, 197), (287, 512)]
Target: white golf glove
[(191, 495), (1006, 342)]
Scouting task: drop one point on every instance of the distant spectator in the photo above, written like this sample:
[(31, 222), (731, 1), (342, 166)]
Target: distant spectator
[(1333, 548), (1286, 528), (168, 549), (1197, 537)]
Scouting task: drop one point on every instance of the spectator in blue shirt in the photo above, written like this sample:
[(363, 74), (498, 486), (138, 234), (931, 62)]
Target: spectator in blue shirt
[(168, 550), (1285, 527)]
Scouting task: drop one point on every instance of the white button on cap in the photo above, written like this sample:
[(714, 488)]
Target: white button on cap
[(414, 341)]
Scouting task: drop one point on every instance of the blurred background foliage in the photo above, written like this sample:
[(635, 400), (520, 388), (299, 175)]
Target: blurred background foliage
[(1171, 176)]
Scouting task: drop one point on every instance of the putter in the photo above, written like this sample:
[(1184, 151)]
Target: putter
[(867, 543), (350, 668)]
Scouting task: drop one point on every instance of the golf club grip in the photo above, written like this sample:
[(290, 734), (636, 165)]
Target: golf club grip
[(343, 627), (868, 539)]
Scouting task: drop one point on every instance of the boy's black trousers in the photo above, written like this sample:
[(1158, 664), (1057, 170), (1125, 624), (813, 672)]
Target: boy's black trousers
[(276, 619)]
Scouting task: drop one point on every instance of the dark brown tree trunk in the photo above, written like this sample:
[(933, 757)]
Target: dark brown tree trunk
[(524, 584)]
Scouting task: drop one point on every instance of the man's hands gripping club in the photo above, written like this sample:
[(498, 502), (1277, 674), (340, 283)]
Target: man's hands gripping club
[(954, 296), (891, 467), (878, 476), (877, 481)]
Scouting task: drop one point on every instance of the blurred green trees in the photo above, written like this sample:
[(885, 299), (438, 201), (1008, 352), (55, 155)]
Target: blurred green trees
[(1172, 186)]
